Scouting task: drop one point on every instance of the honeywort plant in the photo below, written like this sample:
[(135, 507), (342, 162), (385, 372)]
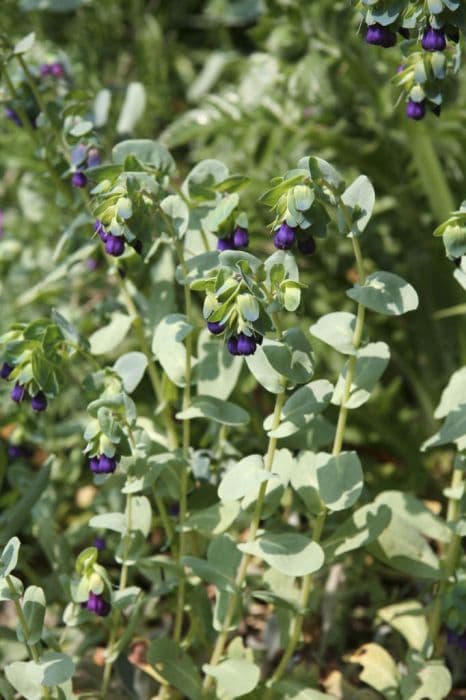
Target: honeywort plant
[(430, 51), (233, 525)]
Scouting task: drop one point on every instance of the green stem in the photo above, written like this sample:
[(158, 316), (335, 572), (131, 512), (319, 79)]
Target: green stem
[(297, 626), (186, 446), (33, 649), (448, 565), (121, 586), (246, 558), (430, 171)]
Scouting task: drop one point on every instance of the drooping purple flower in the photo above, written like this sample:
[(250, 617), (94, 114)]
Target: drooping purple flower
[(240, 238), (434, 39), (97, 604), (18, 392), (94, 464), (416, 110), (39, 402), (79, 179), (232, 345), (225, 243), (6, 370), (93, 158), (101, 464), (99, 543), (215, 327), (307, 245), (13, 116), (377, 35), (246, 345), (107, 465), (285, 237), (114, 245), (57, 69)]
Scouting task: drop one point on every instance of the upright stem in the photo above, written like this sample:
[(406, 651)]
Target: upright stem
[(186, 445), (297, 626), (246, 558), (121, 586), (34, 649), (448, 565)]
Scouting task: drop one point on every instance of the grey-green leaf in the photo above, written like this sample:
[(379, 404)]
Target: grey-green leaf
[(359, 198), (235, 677), (337, 330), (291, 553), (385, 293), (371, 362), (109, 337), (131, 368), (175, 666), (34, 612), (340, 479), (209, 407), (9, 556), (169, 348)]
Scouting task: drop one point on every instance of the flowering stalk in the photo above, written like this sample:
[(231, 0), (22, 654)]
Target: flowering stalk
[(448, 564), (121, 587), (246, 558), (319, 524)]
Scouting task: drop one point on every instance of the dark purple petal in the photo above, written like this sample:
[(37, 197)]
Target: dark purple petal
[(416, 110), (225, 243), (285, 237), (114, 245), (79, 179), (93, 158), (240, 238), (232, 345), (215, 327), (107, 465), (246, 345), (39, 401), (99, 543), (434, 39), (307, 246), (6, 370), (18, 392)]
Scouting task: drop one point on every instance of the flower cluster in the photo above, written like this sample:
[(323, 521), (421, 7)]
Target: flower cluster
[(93, 588), (238, 240), (33, 354), (111, 415), (430, 46)]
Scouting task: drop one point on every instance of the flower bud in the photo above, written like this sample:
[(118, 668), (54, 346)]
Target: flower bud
[(232, 345), (39, 402), (240, 238), (285, 237), (434, 39), (97, 604), (6, 370), (215, 327), (416, 110), (225, 243), (79, 179), (18, 392), (114, 245), (377, 35), (246, 345)]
